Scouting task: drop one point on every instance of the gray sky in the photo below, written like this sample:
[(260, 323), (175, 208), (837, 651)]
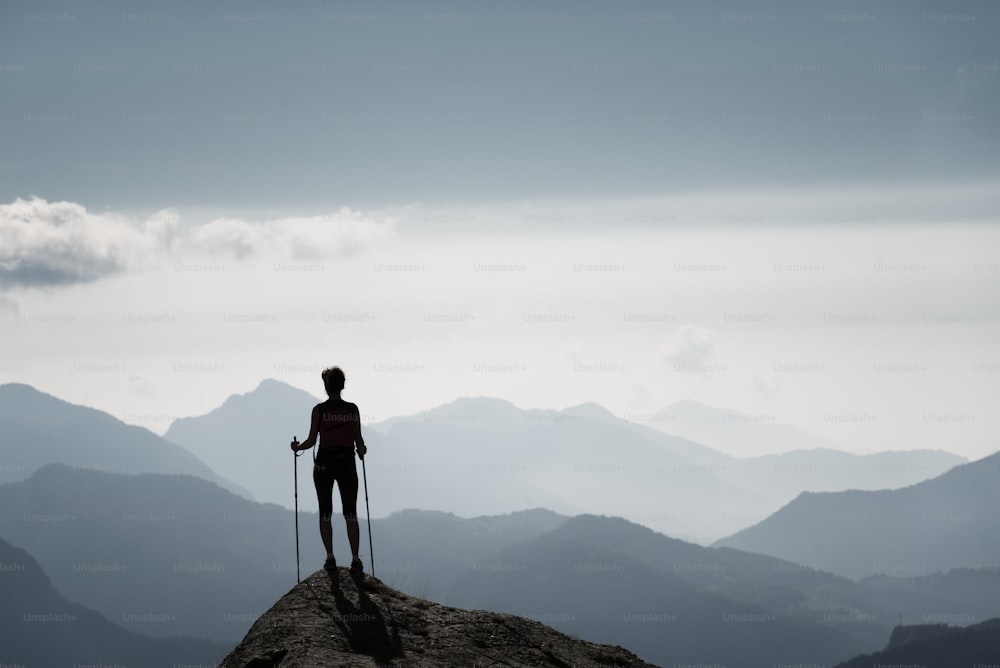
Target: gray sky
[(789, 212)]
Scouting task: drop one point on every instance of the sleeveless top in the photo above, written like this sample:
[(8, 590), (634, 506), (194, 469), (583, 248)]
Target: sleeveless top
[(337, 420)]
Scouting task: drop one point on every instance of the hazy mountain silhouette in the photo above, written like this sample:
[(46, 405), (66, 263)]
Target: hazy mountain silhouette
[(206, 561), (593, 577), (962, 595), (38, 429), (200, 560), (937, 646), (561, 460), (333, 620), (806, 462), (783, 477), (423, 552), (574, 571), (517, 459), (524, 458), (948, 522), (732, 432), (211, 559), (787, 460), (42, 628), (248, 436), (693, 451)]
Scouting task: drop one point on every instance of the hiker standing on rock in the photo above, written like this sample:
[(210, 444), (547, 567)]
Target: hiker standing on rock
[(337, 423)]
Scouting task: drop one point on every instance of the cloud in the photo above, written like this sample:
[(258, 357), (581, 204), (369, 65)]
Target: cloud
[(59, 243), (311, 238), (689, 347), (45, 244), (230, 236), (8, 305)]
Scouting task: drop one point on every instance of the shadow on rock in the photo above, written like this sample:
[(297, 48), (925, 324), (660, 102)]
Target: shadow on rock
[(362, 621)]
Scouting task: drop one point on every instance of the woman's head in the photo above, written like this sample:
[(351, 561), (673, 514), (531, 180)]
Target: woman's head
[(333, 380)]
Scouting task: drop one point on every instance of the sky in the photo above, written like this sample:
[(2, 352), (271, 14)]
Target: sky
[(789, 212)]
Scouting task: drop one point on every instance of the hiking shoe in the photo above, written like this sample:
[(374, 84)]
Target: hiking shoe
[(357, 566), (330, 564)]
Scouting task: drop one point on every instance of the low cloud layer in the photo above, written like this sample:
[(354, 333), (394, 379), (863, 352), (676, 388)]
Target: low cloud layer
[(303, 238), (59, 243), (49, 244), (690, 348)]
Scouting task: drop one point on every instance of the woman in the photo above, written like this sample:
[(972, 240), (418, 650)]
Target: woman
[(338, 425)]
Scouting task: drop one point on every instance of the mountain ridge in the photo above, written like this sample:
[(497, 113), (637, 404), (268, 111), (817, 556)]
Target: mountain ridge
[(117, 542), (945, 521), (248, 436), (40, 428), (215, 561), (429, 455), (30, 606)]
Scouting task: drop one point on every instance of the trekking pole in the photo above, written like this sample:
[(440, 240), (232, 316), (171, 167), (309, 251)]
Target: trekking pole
[(295, 453), (368, 511)]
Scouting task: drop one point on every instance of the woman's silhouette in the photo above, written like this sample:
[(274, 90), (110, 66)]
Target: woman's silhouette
[(337, 423)]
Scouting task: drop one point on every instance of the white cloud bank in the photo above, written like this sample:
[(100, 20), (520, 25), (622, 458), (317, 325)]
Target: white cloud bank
[(55, 243), (345, 232), (46, 243)]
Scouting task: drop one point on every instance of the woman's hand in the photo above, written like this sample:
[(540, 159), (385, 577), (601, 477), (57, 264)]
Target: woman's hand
[(362, 450)]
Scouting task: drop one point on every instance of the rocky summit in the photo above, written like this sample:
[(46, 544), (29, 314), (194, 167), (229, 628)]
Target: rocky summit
[(337, 620)]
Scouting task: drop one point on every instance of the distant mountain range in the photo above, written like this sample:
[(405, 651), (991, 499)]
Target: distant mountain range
[(949, 521), (486, 456), (735, 433), (211, 560), (517, 458), (806, 462), (42, 628), (38, 429), (618, 583), (573, 461), (247, 437), (424, 552), (183, 547), (198, 559), (201, 560)]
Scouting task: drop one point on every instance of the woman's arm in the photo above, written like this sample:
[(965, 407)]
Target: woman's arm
[(313, 432), (359, 440)]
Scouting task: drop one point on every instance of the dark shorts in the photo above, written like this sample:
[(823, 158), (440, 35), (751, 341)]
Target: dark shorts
[(336, 465)]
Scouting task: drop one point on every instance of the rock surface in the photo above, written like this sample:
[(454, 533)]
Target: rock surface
[(337, 621)]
